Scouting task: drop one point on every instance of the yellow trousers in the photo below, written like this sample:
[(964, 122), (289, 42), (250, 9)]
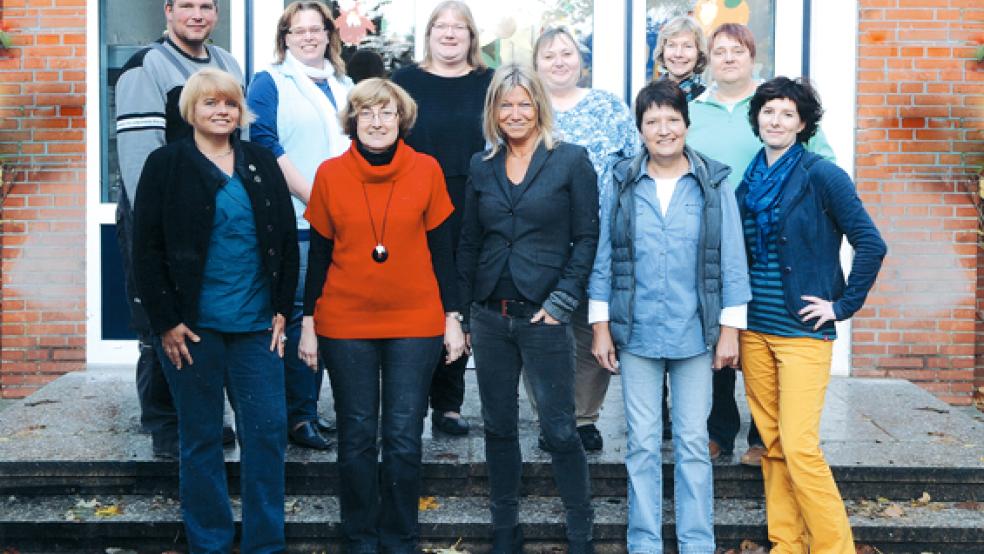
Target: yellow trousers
[(785, 381)]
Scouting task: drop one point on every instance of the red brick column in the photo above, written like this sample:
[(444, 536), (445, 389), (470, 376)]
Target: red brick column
[(42, 240), (920, 116)]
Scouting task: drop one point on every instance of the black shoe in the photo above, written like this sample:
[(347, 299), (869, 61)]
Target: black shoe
[(228, 435), (325, 425), (449, 425), (507, 541), (307, 436), (165, 449), (590, 437)]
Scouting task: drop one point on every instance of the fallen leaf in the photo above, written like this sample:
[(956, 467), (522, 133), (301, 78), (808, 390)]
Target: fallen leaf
[(893, 511), (72, 515), (112, 510), (88, 504), (427, 503), (292, 506), (924, 499)]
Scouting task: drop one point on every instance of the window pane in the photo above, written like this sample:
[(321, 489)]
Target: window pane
[(507, 28), (758, 15), (126, 27)]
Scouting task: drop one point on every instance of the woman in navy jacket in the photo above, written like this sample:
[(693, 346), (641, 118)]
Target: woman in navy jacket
[(528, 240), (215, 260), (796, 209)]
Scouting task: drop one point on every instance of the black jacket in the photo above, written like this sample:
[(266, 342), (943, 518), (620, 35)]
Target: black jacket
[(173, 215), (548, 235)]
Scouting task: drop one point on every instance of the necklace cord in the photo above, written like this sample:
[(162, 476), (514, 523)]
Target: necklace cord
[(372, 222)]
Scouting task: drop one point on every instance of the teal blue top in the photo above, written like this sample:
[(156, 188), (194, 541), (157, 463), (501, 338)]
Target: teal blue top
[(235, 295), (726, 135)]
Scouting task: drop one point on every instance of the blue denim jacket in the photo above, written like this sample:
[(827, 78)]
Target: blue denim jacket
[(818, 207), (667, 319)]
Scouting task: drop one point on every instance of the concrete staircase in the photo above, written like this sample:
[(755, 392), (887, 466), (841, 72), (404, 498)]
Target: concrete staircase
[(76, 477)]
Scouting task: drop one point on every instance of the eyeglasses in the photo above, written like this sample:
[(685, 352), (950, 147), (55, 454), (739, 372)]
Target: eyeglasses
[(458, 28), (306, 31), (367, 115)]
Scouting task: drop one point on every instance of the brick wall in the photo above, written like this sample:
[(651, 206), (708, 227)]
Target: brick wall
[(919, 150), (42, 240)]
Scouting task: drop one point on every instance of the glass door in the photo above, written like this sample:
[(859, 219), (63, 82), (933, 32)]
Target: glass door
[(117, 30)]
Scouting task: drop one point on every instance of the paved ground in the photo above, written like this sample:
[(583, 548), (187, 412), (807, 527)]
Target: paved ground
[(92, 415)]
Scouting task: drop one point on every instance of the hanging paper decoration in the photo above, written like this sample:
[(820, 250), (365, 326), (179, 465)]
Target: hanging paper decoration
[(353, 25)]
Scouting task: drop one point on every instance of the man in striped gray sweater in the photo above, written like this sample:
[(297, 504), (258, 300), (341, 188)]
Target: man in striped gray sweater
[(147, 118)]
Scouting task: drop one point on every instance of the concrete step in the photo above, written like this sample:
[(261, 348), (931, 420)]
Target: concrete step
[(471, 479), (153, 524)]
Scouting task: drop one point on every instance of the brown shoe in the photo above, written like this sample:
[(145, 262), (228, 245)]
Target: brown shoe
[(714, 449), (753, 457)]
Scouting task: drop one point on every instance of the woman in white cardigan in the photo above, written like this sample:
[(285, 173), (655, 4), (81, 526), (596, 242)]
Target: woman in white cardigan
[(297, 101)]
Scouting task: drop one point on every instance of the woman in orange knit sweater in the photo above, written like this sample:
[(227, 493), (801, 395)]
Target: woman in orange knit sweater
[(380, 297)]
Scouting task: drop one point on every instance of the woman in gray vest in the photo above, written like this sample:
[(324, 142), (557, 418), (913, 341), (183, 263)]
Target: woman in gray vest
[(667, 295)]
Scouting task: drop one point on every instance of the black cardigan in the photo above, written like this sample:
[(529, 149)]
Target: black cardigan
[(173, 215)]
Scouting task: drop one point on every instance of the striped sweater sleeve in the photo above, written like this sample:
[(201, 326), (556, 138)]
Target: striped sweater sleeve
[(140, 122)]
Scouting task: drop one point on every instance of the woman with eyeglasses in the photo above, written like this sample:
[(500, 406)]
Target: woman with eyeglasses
[(449, 88), (381, 299), (297, 101)]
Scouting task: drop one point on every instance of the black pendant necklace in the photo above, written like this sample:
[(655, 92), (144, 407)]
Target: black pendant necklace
[(379, 253)]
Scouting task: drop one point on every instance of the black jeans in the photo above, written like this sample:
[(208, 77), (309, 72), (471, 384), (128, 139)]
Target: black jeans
[(447, 389), (157, 413), (725, 421), (379, 503), (503, 345)]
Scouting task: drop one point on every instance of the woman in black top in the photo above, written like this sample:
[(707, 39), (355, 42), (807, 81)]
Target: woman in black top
[(530, 230), (449, 88)]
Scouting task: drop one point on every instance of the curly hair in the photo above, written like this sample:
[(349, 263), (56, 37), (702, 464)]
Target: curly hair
[(800, 92)]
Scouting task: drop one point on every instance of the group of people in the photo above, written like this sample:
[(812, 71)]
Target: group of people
[(385, 230)]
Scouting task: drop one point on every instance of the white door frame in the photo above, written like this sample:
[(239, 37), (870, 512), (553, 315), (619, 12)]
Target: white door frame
[(98, 213)]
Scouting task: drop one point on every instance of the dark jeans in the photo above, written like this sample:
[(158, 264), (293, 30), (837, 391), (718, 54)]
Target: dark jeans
[(243, 364), (379, 503), (725, 421), (447, 389), (157, 414), (503, 345), (303, 385)]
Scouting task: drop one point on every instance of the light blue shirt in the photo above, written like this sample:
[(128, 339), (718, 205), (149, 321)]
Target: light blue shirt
[(666, 319)]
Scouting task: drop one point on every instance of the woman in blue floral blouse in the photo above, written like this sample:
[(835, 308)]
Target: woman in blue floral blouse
[(601, 122)]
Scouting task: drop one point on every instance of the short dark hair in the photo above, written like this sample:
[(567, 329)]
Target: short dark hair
[(663, 93), (800, 92), (365, 64)]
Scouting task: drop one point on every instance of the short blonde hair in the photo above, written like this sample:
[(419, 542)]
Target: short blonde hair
[(377, 92), (548, 37), (211, 81), (333, 51), (506, 78), (462, 9), (672, 28)]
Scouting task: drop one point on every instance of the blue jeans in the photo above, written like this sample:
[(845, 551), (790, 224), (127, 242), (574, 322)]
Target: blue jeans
[(503, 345), (303, 385), (243, 363), (379, 504), (693, 478)]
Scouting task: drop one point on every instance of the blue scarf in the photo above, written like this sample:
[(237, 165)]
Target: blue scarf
[(692, 86), (764, 189)]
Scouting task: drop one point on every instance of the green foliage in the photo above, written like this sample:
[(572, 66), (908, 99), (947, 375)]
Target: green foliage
[(980, 53), (5, 41)]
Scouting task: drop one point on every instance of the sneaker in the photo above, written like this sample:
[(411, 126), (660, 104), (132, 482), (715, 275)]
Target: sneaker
[(753, 457), (456, 426), (590, 437)]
